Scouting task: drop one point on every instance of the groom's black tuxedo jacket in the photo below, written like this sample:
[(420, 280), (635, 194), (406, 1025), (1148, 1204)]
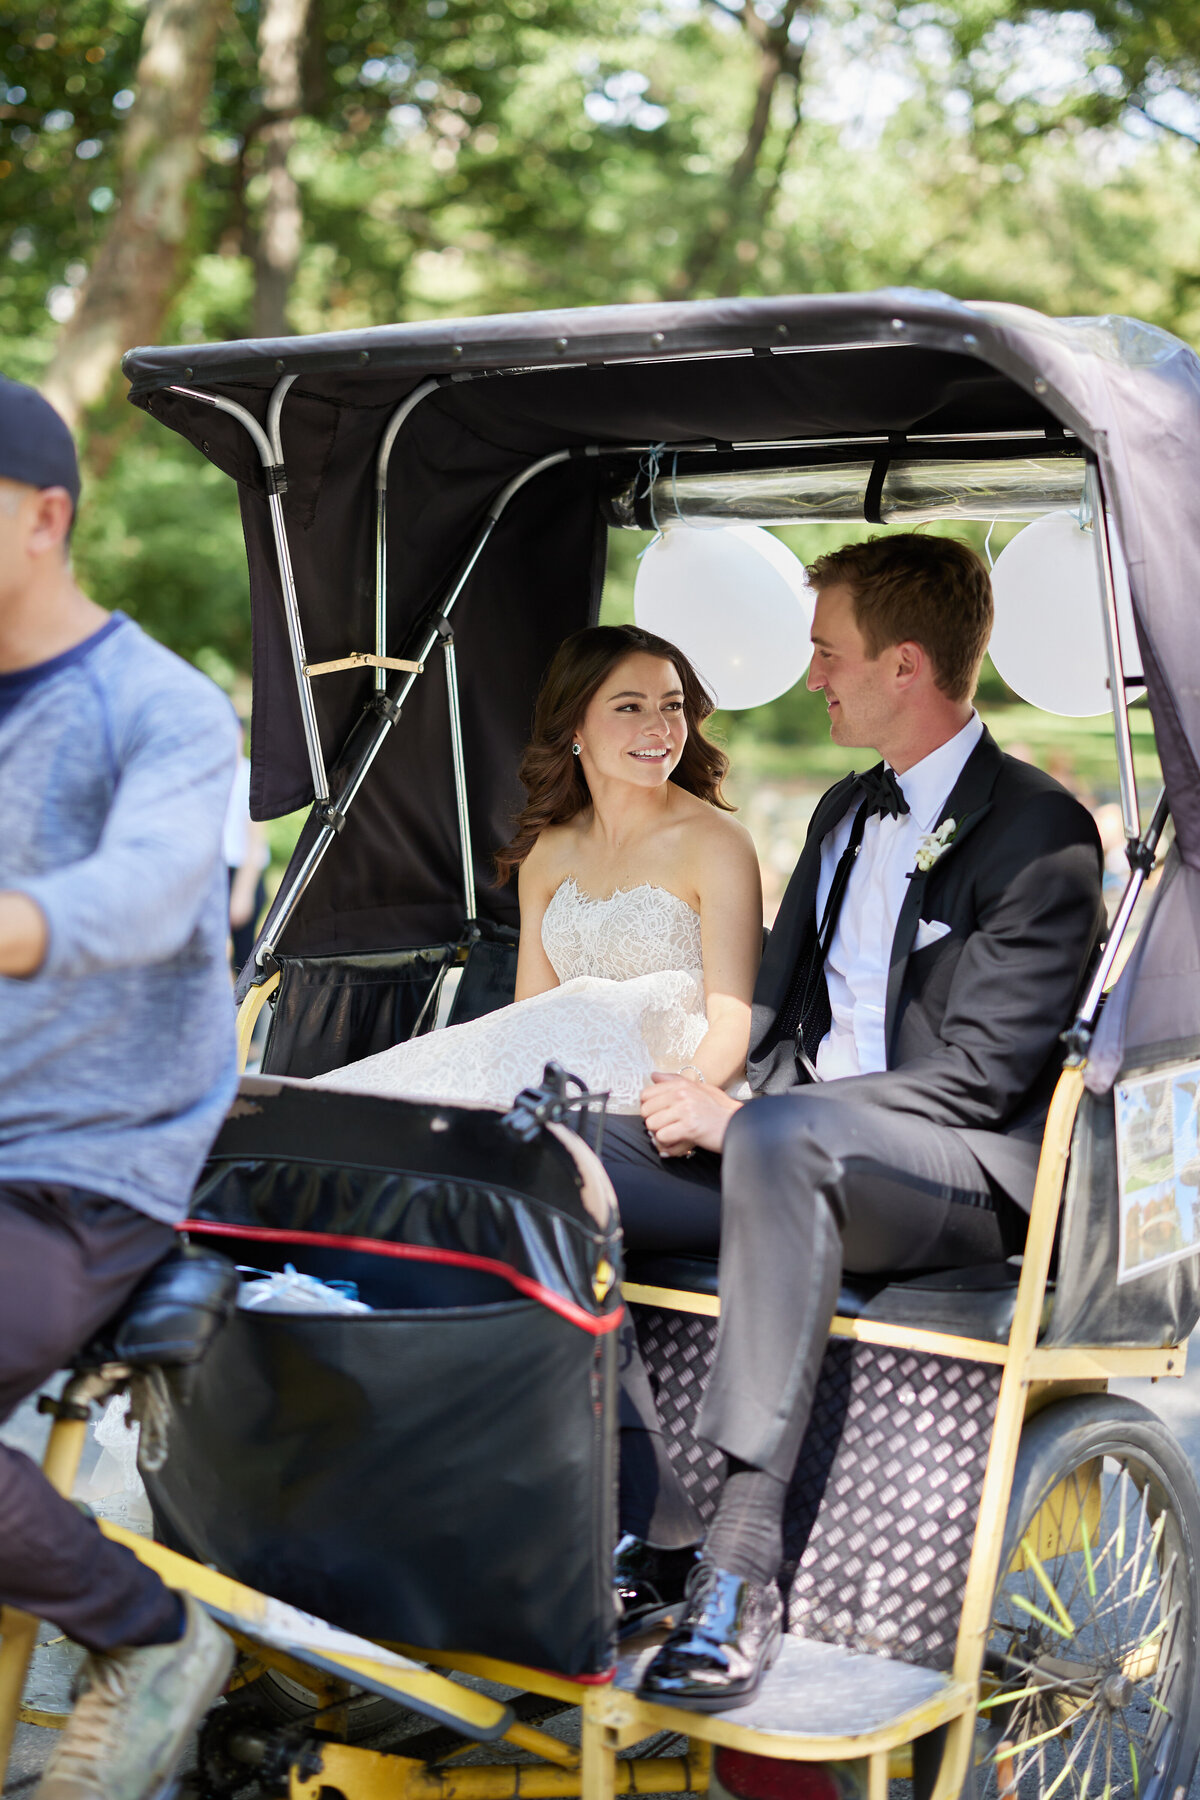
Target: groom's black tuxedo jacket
[(973, 1020)]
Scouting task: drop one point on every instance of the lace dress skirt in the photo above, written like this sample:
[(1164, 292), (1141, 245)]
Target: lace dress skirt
[(630, 1000)]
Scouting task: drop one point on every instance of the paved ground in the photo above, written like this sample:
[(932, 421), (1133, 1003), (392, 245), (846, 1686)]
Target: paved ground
[(103, 1484)]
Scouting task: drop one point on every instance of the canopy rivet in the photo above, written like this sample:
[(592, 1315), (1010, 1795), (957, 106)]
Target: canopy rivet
[(279, 368), (204, 446), (970, 339), (364, 356), (187, 374), (897, 324), (1039, 384), (560, 344), (781, 331), (657, 340), (456, 351)]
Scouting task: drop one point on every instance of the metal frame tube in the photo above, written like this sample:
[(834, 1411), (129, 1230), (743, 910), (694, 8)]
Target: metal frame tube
[(1126, 775), (242, 414), (279, 394), (1142, 863), (271, 454), (308, 714), (466, 847), (382, 459)]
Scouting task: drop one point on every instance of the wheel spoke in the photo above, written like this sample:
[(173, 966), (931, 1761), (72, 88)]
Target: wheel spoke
[(1067, 1767), (1087, 1554), (1043, 1618), (1048, 1587)]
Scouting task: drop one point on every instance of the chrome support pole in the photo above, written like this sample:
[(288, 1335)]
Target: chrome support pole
[(394, 426), (466, 848), (1142, 853), (276, 488), (308, 715), (279, 394), (270, 453), (1126, 775), (242, 414)]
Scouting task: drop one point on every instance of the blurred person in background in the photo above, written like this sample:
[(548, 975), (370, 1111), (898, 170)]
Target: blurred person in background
[(117, 1065), (244, 846)]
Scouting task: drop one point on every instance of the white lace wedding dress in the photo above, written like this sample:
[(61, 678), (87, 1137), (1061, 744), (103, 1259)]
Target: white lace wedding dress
[(630, 1000)]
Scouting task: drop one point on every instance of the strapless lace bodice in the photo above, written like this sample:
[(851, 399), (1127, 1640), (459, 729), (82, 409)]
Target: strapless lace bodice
[(630, 1000), (640, 930)]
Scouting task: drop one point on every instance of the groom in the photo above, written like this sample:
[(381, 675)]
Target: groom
[(905, 1042)]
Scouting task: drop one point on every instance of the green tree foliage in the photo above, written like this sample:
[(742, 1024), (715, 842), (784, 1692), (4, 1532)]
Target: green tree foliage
[(465, 156)]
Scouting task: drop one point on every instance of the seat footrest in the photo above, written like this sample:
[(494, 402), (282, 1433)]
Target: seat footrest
[(820, 1690)]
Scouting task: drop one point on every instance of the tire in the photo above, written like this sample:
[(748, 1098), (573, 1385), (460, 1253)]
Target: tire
[(274, 1699), (1090, 1670)]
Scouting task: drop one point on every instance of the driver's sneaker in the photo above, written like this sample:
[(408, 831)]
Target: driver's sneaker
[(136, 1710)]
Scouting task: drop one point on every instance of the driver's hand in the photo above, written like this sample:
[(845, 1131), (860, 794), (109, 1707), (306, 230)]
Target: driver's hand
[(683, 1115)]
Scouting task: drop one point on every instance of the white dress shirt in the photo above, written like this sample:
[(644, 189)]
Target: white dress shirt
[(861, 952)]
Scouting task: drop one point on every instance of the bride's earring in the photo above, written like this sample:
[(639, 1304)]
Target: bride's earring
[(574, 749)]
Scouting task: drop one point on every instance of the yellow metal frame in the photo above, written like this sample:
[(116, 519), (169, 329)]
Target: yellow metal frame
[(614, 1719), (247, 1016)]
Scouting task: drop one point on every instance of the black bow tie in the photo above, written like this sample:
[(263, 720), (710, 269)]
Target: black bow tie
[(882, 794)]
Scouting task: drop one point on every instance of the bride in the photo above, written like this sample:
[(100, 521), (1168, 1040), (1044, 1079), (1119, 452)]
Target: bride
[(641, 909)]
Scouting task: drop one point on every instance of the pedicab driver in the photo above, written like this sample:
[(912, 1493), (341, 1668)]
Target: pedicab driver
[(927, 955), (117, 1064)]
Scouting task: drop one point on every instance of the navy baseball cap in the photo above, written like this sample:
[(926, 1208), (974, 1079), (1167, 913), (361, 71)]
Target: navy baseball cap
[(36, 446)]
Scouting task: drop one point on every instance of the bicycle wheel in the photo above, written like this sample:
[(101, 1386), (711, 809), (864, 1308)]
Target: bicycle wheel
[(1089, 1685)]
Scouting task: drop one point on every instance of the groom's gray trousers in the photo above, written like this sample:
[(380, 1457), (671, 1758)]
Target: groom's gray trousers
[(808, 1185)]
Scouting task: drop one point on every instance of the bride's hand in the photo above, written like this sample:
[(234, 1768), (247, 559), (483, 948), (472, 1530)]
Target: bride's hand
[(683, 1115)]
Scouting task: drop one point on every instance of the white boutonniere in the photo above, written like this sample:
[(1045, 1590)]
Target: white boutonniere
[(935, 844)]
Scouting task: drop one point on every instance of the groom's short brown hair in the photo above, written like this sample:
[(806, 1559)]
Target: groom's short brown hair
[(934, 591)]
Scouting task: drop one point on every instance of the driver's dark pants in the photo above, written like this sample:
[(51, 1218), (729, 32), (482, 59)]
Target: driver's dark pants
[(68, 1261), (808, 1184)]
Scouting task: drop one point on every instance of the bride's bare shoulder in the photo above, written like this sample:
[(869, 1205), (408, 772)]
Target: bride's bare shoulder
[(553, 855), (711, 830)]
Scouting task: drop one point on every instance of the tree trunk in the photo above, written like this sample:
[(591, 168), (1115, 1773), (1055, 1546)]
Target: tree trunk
[(136, 270), (777, 57), (281, 37)]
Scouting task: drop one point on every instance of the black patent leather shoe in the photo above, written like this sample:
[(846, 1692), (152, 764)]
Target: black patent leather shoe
[(724, 1644), (649, 1584)]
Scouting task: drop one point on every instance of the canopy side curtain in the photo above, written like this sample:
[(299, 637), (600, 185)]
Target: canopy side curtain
[(394, 875)]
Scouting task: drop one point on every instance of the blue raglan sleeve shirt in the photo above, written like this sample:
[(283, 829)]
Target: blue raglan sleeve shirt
[(117, 1056)]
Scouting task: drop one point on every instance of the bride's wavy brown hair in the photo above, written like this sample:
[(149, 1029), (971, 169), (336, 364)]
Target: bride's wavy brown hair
[(551, 775)]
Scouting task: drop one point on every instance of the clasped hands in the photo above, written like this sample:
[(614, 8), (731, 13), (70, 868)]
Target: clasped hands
[(683, 1115)]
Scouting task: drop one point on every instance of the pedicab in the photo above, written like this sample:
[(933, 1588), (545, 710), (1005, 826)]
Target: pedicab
[(993, 1563)]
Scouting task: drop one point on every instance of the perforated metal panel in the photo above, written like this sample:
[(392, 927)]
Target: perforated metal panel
[(881, 1511), (677, 1349)]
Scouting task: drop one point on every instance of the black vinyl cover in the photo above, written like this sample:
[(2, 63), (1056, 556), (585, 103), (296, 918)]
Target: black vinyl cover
[(332, 1010), (1158, 1307), (439, 1472)]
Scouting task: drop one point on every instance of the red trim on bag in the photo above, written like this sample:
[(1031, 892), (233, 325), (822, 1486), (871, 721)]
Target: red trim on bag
[(463, 1259)]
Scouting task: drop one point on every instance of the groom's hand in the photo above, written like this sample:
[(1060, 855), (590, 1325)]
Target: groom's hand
[(682, 1115)]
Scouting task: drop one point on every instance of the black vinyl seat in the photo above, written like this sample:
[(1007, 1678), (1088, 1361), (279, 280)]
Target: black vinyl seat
[(171, 1317), (972, 1303), (698, 1275)]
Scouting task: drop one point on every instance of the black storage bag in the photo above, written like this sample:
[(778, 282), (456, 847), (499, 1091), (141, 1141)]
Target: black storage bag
[(332, 1010), (439, 1472)]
